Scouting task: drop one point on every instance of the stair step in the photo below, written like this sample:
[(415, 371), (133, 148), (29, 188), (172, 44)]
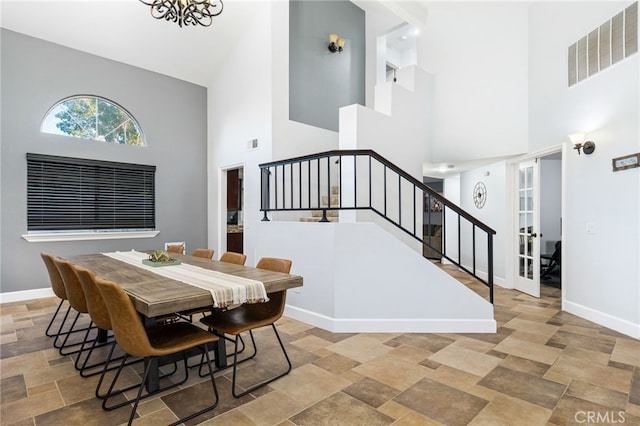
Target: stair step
[(317, 219), (335, 199), (330, 213)]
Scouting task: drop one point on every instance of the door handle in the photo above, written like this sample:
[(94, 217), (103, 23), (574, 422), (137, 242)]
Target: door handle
[(534, 235)]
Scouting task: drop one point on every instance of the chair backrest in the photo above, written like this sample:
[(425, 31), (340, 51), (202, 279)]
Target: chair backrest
[(176, 248), (233, 257), (95, 303), (126, 324), (54, 276), (557, 252), (274, 264), (205, 253), (72, 285), (274, 308)]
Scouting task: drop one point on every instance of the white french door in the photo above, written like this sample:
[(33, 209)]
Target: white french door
[(528, 226)]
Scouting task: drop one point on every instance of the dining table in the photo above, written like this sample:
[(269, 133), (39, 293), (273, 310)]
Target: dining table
[(156, 296)]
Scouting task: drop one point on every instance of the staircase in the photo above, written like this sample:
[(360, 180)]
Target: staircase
[(362, 180), (330, 215)]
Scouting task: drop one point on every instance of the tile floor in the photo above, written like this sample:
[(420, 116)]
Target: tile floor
[(543, 366)]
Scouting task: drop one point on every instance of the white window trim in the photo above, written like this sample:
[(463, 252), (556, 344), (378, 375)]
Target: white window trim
[(43, 237)]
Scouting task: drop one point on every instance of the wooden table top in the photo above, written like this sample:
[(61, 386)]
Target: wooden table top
[(154, 295)]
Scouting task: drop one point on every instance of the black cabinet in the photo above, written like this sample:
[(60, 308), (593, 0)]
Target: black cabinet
[(233, 190), (234, 242)]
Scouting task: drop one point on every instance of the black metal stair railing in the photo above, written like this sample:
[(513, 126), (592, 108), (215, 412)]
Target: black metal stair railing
[(363, 180)]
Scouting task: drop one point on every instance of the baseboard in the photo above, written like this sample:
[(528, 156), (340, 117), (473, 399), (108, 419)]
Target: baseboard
[(19, 296), (392, 325), (606, 320)]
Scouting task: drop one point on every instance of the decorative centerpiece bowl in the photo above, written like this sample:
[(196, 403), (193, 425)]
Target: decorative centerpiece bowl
[(160, 258)]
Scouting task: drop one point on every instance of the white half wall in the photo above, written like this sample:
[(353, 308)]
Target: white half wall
[(359, 278)]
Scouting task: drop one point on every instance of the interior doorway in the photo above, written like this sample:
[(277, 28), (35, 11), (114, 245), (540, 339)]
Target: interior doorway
[(432, 221), (234, 210), (551, 220), (396, 49), (536, 220)]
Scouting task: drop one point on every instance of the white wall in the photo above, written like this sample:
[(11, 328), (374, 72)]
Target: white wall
[(492, 214), (240, 110), (378, 21), (477, 53), (399, 129), (600, 270), (358, 278)]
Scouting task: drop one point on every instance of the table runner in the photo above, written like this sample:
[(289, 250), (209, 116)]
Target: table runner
[(225, 289)]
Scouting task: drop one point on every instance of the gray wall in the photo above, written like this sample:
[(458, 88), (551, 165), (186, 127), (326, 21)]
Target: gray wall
[(172, 113), (320, 82)]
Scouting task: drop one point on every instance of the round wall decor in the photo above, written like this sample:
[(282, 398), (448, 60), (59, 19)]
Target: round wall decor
[(479, 195)]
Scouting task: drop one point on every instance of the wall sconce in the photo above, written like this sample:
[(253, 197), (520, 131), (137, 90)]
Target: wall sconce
[(577, 139), (336, 43)]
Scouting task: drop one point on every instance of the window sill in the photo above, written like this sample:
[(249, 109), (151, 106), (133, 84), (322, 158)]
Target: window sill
[(86, 236)]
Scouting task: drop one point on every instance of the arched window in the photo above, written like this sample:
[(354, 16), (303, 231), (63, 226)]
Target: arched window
[(93, 117)]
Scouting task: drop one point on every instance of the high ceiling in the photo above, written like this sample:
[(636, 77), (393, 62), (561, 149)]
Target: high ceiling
[(123, 30)]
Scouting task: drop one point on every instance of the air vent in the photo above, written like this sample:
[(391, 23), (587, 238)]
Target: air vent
[(252, 144), (611, 42)]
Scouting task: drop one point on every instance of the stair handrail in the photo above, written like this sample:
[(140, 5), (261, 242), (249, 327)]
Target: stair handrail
[(446, 203)]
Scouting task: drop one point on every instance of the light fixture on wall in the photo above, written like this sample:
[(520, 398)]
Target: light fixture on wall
[(577, 139), (185, 12), (336, 44)]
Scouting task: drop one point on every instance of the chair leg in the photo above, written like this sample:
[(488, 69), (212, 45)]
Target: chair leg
[(94, 345), (107, 367), (222, 336), (145, 377), (139, 396), (64, 345), (110, 393), (263, 383), (215, 391), (53, 318)]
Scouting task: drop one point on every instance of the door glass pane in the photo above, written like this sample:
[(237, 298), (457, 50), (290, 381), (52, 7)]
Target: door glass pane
[(521, 179), (529, 177), (529, 200), (522, 270)]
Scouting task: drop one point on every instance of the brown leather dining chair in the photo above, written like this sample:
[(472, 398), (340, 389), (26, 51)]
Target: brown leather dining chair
[(78, 301), (57, 285), (175, 248), (233, 257), (151, 343), (228, 257), (204, 253), (250, 316), (100, 316)]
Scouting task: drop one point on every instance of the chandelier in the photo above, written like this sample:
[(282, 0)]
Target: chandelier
[(185, 12)]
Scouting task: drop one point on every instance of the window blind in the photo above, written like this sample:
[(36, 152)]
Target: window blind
[(78, 194)]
